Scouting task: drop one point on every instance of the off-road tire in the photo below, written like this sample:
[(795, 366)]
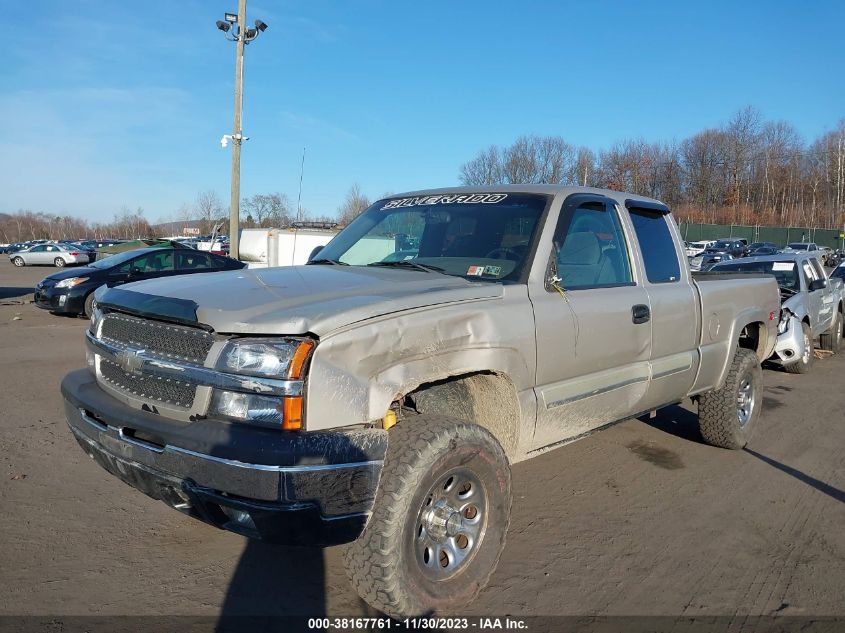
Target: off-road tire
[(59, 262), (800, 367), (383, 564), (718, 410), (832, 339), (19, 262)]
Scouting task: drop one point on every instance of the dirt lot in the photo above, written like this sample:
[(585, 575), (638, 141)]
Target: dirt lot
[(639, 519)]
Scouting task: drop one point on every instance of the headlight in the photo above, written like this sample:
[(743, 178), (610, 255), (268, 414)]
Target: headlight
[(96, 317), (282, 358), (783, 324), (70, 282), (279, 358)]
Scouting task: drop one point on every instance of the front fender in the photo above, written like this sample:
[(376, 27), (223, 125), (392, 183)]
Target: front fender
[(357, 373)]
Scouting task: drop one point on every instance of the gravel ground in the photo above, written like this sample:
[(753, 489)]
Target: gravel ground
[(639, 519)]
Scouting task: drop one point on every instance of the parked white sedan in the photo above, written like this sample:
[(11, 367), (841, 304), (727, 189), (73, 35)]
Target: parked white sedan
[(49, 255), (694, 249)]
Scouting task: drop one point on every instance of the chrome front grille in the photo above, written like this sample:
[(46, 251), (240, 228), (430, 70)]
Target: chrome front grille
[(162, 339), (129, 335), (164, 390)]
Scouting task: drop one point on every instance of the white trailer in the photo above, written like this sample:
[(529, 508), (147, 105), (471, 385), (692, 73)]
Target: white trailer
[(265, 248)]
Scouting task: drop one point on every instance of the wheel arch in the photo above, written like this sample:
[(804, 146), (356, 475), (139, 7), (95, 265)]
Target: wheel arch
[(486, 398)]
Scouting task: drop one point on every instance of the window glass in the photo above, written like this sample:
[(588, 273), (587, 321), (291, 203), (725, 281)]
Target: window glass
[(38, 249), (159, 261), (656, 245), (482, 237), (784, 271), (193, 260), (218, 262), (590, 249), (820, 274), (809, 273)]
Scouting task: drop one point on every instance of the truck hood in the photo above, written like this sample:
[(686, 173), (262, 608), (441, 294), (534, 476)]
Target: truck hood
[(295, 299)]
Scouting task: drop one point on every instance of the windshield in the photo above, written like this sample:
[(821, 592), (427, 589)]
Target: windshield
[(478, 236), (721, 244), (785, 272), (799, 247), (114, 260)]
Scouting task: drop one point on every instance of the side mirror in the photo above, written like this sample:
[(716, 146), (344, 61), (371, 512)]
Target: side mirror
[(314, 252), (818, 284)]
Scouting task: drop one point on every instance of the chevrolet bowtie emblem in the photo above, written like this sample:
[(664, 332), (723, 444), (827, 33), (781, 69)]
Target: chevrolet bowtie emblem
[(131, 361)]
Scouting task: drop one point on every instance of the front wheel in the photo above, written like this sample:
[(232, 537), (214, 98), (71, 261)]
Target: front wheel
[(832, 339), (439, 520), (90, 305), (19, 262), (59, 262), (726, 416)]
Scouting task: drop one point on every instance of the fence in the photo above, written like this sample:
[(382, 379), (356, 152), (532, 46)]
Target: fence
[(780, 235)]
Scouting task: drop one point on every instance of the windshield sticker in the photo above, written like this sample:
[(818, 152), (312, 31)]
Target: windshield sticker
[(782, 266), (493, 270), (475, 271), (468, 198)]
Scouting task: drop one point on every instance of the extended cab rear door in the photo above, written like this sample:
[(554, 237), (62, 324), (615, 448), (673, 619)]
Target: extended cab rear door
[(675, 322), (592, 323)]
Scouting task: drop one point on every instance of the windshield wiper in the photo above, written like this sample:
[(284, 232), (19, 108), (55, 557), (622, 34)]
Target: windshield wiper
[(784, 288), (333, 262), (410, 265)]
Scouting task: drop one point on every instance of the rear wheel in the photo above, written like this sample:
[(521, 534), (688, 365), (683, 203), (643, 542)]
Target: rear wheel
[(59, 262), (805, 363), (726, 416), (19, 262), (832, 339), (439, 520)]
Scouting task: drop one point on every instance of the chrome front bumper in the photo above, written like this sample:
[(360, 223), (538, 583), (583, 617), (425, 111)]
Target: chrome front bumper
[(297, 488)]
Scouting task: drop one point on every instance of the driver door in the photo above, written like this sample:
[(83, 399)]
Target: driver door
[(592, 323), (37, 255)]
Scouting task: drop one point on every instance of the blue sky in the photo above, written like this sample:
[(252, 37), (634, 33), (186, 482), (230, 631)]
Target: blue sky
[(122, 103)]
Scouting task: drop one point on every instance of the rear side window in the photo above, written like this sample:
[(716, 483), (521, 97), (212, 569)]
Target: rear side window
[(656, 245), (193, 260)]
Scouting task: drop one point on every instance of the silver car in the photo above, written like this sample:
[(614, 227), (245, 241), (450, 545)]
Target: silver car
[(49, 255)]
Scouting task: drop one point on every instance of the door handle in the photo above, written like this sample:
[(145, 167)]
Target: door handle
[(640, 313)]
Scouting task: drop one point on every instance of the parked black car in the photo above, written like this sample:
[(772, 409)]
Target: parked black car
[(762, 248), (733, 247), (72, 291)]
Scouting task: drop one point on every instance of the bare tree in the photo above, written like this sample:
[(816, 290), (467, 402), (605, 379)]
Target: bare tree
[(273, 209), (209, 209), (353, 205)]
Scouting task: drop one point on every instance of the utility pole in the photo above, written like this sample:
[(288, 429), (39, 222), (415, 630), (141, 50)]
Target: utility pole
[(237, 138), (242, 36)]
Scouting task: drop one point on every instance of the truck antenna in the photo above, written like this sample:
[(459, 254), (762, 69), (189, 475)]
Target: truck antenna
[(299, 197)]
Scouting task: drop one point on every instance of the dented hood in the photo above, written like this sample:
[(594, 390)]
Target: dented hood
[(292, 300)]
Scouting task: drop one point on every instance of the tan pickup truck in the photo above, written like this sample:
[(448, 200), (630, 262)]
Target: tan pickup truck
[(379, 394)]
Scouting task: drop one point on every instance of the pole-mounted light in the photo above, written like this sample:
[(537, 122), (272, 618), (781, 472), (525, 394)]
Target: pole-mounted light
[(233, 30)]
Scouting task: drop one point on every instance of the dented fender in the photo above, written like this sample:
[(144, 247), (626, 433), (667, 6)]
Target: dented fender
[(358, 371)]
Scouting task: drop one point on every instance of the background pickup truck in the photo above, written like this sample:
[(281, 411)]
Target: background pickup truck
[(812, 305), (379, 394)]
